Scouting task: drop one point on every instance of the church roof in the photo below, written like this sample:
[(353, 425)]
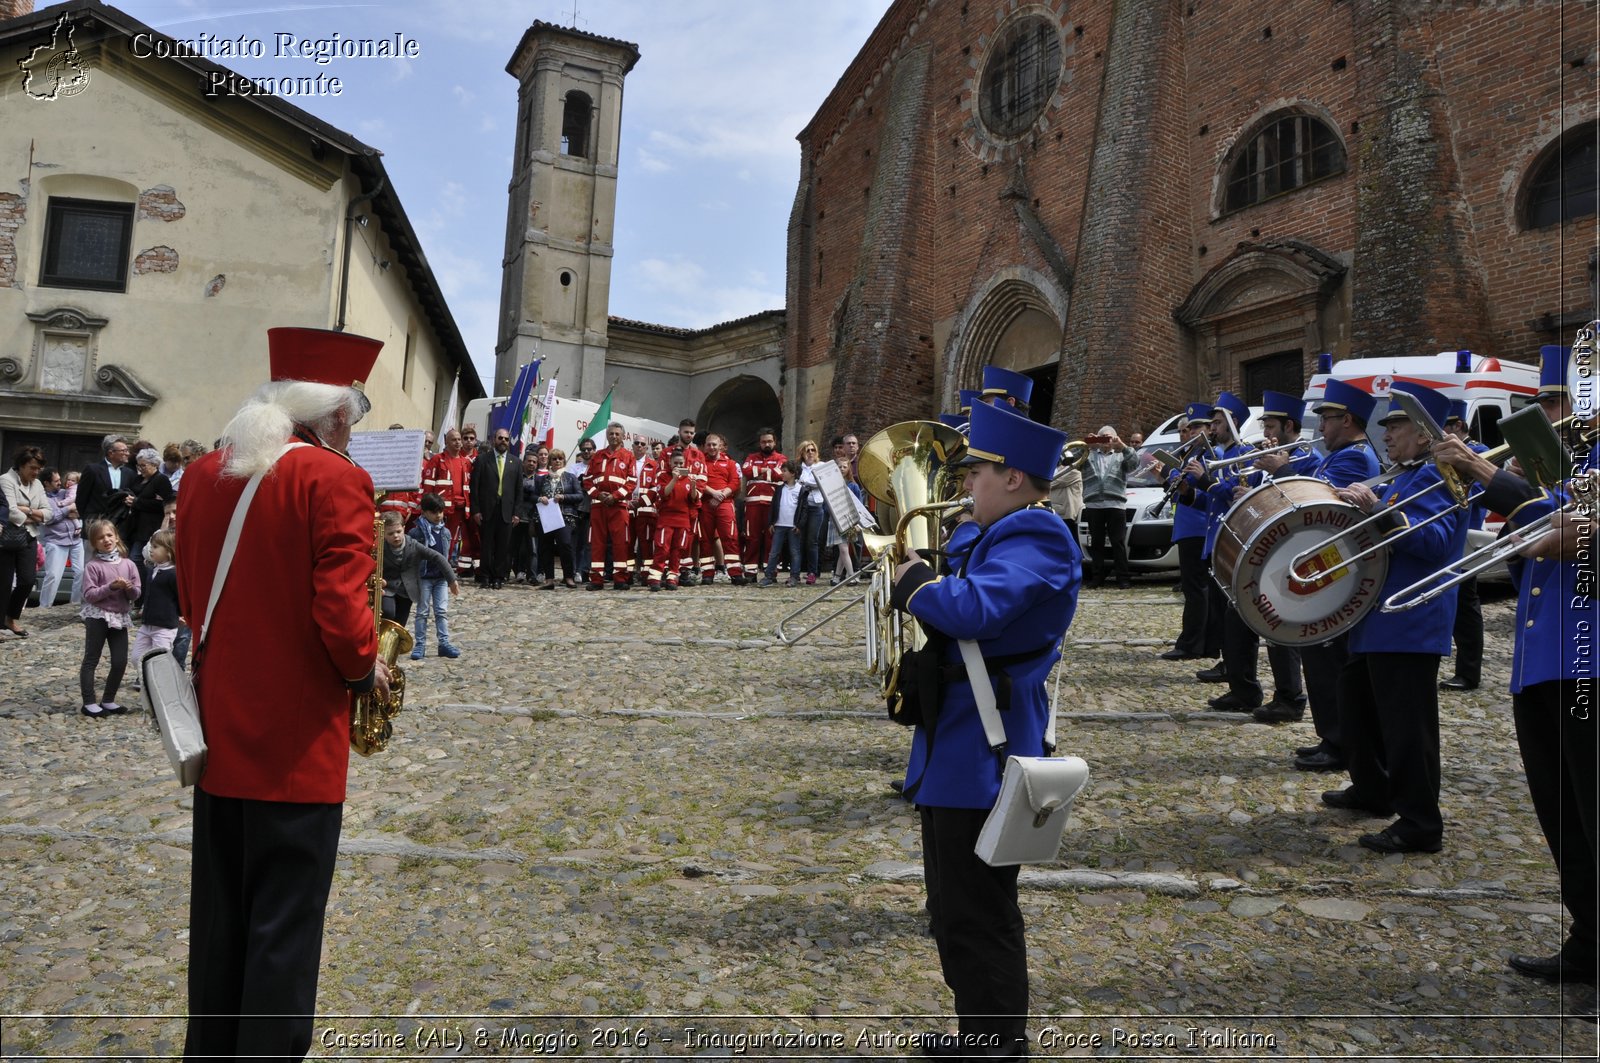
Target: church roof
[(691, 333), (540, 26)]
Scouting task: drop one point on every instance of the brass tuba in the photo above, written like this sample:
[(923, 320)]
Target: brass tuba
[(372, 714), (907, 466)]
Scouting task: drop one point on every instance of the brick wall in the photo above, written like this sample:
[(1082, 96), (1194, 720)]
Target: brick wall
[(15, 8), (13, 212), (1443, 111)]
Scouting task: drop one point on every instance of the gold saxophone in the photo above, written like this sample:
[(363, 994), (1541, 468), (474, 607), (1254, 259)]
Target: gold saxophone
[(372, 714)]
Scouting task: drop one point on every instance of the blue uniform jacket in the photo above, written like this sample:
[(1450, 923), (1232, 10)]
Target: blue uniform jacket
[(1017, 595), (1558, 607), (1219, 494), (1188, 518), (1350, 464), (1425, 629)]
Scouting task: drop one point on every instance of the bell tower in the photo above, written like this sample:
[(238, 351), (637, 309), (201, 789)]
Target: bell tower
[(555, 283)]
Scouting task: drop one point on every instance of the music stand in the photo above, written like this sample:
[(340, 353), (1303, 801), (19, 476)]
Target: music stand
[(1545, 460)]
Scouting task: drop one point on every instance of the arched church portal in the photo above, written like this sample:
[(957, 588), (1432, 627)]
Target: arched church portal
[(737, 410)]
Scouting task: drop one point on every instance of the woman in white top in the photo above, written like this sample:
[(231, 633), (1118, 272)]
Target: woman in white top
[(28, 508), (812, 521)]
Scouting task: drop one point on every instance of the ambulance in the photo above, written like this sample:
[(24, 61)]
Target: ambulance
[(570, 420)]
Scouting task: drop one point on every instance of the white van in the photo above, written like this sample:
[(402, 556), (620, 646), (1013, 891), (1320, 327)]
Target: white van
[(572, 417)]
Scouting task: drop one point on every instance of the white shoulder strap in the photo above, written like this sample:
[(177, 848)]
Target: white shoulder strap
[(230, 544), (994, 729)]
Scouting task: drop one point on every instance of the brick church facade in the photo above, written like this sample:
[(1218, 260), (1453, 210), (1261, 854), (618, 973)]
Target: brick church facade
[(1141, 202)]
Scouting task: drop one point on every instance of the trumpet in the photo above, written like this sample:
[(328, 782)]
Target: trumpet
[(1259, 451), (1197, 443), (1488, 556)]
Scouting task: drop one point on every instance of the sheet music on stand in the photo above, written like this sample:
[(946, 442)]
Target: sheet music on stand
[(848, 511), (392, 458)]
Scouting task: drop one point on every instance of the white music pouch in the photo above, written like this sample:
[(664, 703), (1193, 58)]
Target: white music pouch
[(1026, 823)]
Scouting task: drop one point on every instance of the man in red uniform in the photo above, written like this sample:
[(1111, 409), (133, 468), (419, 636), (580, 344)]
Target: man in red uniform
[(719, 535), (609, 484), (642, 516), (448, 474), (267, 810), (763, 472), (469, 559), (694, 464)]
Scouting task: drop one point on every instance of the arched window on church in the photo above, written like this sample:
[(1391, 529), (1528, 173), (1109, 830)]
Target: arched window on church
[(1289, 152), (575, 125), (1020, 76), (1564, 182)]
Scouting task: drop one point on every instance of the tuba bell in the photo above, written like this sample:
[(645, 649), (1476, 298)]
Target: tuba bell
[(372, 714)]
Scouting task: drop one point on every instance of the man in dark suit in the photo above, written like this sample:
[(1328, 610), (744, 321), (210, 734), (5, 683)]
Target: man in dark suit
[(106, 489), (495, 483)]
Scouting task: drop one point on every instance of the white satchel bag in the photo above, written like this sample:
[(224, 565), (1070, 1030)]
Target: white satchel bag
[(1036, 793), (168, 690)]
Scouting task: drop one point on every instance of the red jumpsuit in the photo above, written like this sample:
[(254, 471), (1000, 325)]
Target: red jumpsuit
[(764, 473), (717, 521), (449, 476), (694, 463), (678, 502), (642, 533), (609, 483)]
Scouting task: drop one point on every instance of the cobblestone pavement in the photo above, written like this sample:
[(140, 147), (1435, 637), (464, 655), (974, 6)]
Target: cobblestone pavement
[(638, 811)]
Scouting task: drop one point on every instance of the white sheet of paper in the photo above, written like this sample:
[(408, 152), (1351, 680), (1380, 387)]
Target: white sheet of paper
[(550, 518), (392, 458), (837, 497)]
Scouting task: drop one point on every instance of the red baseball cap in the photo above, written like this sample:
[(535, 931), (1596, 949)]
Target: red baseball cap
[(322, 356)]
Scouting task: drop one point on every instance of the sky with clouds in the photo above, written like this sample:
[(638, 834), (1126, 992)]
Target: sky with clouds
[(709, 162)]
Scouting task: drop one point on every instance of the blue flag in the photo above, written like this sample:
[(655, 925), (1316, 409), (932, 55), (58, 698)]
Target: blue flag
[(510, 416)]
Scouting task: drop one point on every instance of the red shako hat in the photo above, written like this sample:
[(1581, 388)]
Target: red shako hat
[(322, 356)]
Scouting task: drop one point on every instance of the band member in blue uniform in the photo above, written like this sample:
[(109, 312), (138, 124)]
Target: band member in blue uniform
[(1014, 593), (1468, 633), (1343, 411), (1554, 688), (1200, 636), (1281, 415), (1229, 413), (1005, 387), (1389, 688)]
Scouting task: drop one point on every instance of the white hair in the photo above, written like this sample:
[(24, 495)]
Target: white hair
[(265, 422), (147, 456), (1107, 430)]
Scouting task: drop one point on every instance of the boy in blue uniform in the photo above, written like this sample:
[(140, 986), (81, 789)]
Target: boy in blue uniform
[(1013, 592), (1389, 688), (1214, 494), (1343, 411)]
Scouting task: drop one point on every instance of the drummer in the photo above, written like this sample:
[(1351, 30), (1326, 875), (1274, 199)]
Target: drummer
[(1343, 411), (1389, 689), (1215, 488), (1281, 415), (1201, 634)]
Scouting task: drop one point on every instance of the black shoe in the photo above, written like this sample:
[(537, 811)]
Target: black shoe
[(1551, 968), (1217, 673), (1311, 751), (897, 785), (1319, 761), (1230, 702), (1455, 682), (595, 586), (1276, 711), (1389, 841), (1350, 802), (1583, 1007), (1179, 655), (621, 586)]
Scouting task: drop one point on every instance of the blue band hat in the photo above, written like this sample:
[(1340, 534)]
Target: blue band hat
[(1553, 369), (1283, 406), (998, 381), (1436, 402), (1346, 398), (1237, 408), (1458, 411), (1005, 437), (1197, 413), (969, 396), (954, 420)]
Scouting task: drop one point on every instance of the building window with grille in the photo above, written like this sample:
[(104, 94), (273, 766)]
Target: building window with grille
[(575, 125), (86, 244), (1289, 153), (1564, 184), (1021, 75)]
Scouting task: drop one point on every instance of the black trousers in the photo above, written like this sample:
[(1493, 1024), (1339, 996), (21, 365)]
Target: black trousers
[(397, 607), (1104, 523), (97, 635), (1468, 633), (1194, 573), (552, 544), (496, 548), (524, 549), (1322, 665), (1389, 703), (1240, 649), (259, 889), (1216, 612), (1559, 755), (17, 569), (977, 924)]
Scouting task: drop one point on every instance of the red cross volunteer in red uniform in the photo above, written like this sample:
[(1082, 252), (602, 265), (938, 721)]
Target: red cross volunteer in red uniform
[(274, 680)]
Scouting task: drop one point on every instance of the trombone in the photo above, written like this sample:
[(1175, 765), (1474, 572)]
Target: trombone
[(1488, 556), (855, 577), (1252, 455), (1463, 496)]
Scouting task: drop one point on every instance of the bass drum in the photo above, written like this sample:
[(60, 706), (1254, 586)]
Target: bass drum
[(1271, 525)]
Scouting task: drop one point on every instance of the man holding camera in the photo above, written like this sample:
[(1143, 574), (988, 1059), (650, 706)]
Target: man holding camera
[(1105, 495)]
